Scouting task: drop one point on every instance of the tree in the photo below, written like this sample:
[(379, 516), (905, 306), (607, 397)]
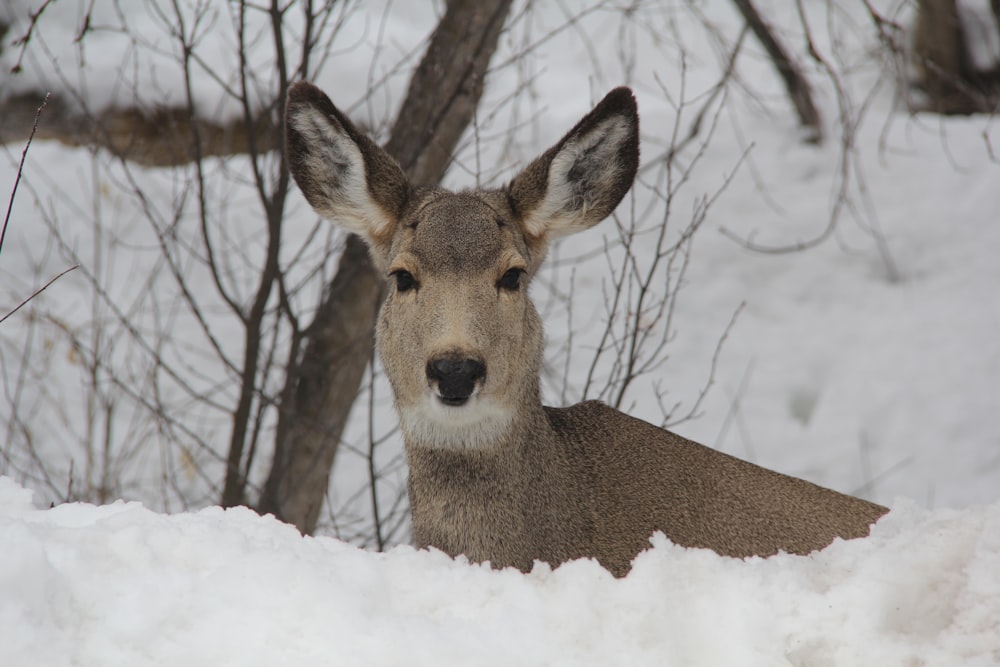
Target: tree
[(953, 64)]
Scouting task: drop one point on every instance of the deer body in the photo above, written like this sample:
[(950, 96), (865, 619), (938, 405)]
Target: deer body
[(493, 474)]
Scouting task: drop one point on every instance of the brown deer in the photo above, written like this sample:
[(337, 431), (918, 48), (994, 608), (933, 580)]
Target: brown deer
[(494, 474)]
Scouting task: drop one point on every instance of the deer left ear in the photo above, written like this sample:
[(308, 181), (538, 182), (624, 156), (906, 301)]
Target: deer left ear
[(579, 181), (343, 174)]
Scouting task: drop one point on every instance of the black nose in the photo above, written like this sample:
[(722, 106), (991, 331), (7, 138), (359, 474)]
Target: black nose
[(456, 377)]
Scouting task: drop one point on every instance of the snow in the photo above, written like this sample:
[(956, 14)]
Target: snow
[(875, 380), (122, 585)]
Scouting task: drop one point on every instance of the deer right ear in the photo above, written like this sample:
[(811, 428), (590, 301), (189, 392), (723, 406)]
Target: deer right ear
[(343, 174), (579, 181)]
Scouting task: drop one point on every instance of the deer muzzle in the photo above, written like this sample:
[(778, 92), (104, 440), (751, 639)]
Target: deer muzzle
[(455, 378)]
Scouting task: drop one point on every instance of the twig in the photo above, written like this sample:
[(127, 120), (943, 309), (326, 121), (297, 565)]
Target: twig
[(733, 414), (20, 168), (989, 146), (699, 119), (23, 40), (10, 207), (693, 412), (372, 472), (39, 291)]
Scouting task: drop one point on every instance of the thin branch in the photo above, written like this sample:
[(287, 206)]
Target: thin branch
[(23, 40), (796, 84), (713, 366), (13, 193), (39, 291), (20, 168), (372, 471), (695, 128)]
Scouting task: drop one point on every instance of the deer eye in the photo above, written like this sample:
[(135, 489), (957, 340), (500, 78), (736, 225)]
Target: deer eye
[(511, 281), (404, 280)]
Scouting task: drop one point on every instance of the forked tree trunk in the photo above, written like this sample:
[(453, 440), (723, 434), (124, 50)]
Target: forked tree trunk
[(324, 380)]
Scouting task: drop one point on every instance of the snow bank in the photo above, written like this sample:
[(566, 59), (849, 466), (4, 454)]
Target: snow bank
[(121, 585)]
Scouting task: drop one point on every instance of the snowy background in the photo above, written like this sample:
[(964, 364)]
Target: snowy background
[(875, 373)]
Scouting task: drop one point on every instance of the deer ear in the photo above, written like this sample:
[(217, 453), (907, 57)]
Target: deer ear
[(579, 181), (343, 174)]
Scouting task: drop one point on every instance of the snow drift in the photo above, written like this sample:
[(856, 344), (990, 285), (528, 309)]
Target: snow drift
[(122, 585)]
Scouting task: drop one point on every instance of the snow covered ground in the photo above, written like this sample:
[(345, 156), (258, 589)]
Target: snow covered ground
[(837, 370), (121, 585)]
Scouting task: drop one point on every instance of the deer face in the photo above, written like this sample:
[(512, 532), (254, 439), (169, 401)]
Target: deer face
[(460, 340)]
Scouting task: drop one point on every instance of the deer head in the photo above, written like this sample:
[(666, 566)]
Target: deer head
[(460, 340)]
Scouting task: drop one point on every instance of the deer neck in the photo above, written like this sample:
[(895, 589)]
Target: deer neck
[(446, 461), (475, 501), (485, 429)]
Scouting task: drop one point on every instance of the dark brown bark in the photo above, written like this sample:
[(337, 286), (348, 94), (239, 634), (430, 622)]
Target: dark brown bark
[(944, 70), (796, 83), (322, 384), (320, 390), (938, 50)]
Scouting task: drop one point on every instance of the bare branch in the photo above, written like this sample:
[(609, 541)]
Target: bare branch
[(39, 291), (13, 194), (796, 83), (20, 169), (23, 40)]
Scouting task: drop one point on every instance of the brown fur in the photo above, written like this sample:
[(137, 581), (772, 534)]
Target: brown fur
[(593, 482), (494, 475)]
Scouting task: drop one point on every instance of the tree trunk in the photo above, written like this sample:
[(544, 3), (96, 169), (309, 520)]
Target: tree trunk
[(938, 51), (944, 70), (796, 83), (323, 381)]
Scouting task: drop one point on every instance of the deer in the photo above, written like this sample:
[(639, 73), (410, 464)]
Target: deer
[(493, 474)]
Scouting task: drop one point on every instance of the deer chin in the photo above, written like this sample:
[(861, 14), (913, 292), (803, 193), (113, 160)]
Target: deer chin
[(479, 423)]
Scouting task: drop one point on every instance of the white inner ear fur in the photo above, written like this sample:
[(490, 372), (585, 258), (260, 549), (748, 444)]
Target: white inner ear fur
[(565, 209), (337, 167)]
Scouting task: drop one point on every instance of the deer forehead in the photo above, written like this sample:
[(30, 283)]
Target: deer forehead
[(463, 234)]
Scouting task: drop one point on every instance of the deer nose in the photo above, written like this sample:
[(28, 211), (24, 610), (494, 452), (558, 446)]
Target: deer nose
[(455, 377)]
